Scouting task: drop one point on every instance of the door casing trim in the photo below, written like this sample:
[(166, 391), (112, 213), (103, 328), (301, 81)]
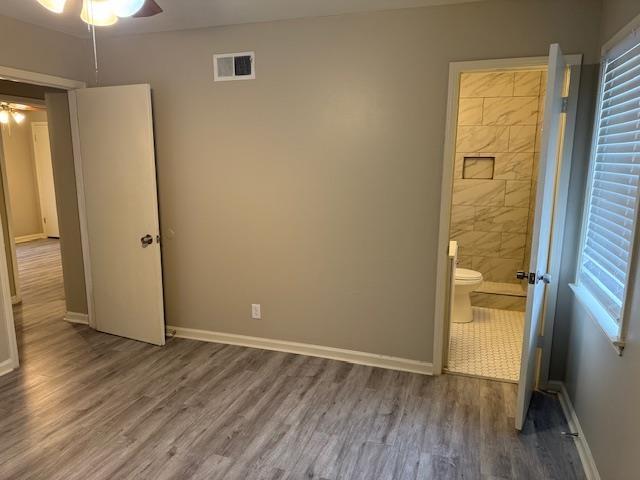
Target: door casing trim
[(6, 310), (455, 70)]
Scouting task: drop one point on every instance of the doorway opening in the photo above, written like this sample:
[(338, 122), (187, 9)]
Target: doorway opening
[(28, 206), (497, 150), (502, 200)]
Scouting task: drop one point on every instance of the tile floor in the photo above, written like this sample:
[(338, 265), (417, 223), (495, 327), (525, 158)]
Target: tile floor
[(488, 347)]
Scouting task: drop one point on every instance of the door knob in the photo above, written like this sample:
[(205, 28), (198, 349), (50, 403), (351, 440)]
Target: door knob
[(146, 240), (533, 277)]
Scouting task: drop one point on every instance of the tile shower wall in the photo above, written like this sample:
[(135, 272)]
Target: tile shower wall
[(499, 117)]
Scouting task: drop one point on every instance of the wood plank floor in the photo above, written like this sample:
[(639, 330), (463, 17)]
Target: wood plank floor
[(87, 405)]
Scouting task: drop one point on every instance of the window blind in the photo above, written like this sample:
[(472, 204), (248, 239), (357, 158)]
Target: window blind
[(613, 199)]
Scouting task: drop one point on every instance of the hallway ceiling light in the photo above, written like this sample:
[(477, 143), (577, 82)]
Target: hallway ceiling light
[(18, 117), (98, 13), (56, 6), (10, 110)]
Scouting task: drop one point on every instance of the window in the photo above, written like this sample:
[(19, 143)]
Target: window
[(611, 213)]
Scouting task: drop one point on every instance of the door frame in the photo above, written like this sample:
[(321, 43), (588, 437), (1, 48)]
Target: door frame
[(6, 310), (35, 160), (455, 70), (17, 298)]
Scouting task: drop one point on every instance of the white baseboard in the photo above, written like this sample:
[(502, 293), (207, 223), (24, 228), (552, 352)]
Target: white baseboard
[(30, 238), (80, 318), (7, 366), (588, 462), (351, 356)]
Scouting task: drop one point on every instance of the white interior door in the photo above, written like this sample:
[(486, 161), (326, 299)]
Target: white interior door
[(44, 174), (542, 229), (118, 188)]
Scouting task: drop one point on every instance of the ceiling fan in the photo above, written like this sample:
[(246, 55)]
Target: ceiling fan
[(102, 13)]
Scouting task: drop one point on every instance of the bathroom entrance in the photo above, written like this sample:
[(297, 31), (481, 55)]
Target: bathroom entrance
[(506, 173), (497, 149)]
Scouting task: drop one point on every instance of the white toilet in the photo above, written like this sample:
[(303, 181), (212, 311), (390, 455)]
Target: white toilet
[(466, 282)]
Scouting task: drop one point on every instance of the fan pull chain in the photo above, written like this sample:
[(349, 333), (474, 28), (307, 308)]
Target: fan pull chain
[(92, 30)]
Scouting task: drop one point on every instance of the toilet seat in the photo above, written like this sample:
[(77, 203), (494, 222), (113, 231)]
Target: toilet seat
[(466, 276)]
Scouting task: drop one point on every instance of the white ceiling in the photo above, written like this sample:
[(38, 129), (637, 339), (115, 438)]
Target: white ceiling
[(185, 14)]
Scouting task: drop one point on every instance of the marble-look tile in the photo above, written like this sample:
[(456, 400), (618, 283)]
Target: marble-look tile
[(502, 302), (527, 253), (494, 84), (517, 193), (501, 219), (510, 111), (463, 215), (538, 144), (478, 192), (470, 111), (542, 97), (522, 138), (513, 289), (513, 245), (527, 84), (513, 166), (479, 243), (456, 229), (541, 105), (478, 167), (535, 166), (458, 165), (484, 139), (465, 261), (497, 269)]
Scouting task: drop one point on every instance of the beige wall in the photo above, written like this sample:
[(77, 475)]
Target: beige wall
[(37, 49), (499, 119), (21, 176), (603, 387), (315, 189)]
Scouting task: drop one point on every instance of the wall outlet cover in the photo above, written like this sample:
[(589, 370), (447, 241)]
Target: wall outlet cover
[(256, 313)]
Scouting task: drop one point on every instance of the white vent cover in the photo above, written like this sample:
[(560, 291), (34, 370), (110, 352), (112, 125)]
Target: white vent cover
[(234, 66)]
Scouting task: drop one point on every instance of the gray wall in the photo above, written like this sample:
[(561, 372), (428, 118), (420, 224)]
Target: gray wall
[(615, 15), (604, 387), (575, 205), (315, 189)]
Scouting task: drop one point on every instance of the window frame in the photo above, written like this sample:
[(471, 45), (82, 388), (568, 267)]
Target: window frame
[(615, 330)]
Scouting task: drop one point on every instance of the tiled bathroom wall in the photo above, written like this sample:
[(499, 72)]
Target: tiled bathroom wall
[(499, 123)]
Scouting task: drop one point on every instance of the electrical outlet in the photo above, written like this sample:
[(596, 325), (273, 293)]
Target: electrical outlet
[(256, 314)]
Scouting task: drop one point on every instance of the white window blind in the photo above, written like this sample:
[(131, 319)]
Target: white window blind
[(614, 182)]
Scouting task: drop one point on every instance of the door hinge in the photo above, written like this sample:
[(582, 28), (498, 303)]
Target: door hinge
[(565, 104)]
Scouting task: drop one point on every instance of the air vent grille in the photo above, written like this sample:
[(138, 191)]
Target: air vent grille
[(234, 66)]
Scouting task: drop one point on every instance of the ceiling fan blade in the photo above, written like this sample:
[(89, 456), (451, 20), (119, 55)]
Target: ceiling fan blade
[(149, 9)]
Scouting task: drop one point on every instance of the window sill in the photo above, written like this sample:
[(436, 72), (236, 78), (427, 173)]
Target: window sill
[(599, 315)]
